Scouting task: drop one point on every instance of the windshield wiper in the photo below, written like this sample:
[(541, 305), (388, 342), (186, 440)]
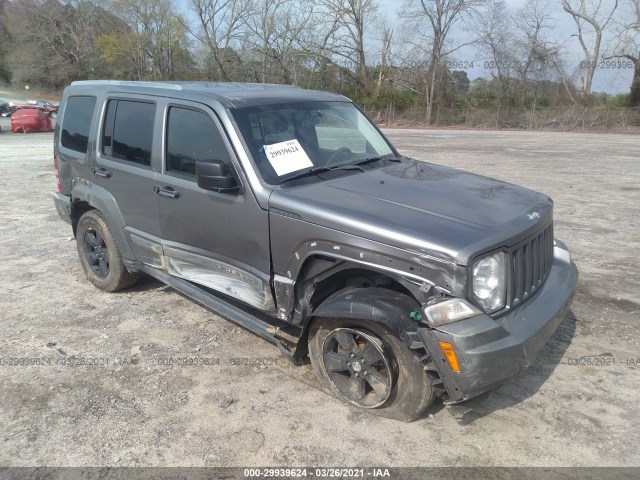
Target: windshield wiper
[(306, 173), (316, 170), (348, 166), (376, 159)]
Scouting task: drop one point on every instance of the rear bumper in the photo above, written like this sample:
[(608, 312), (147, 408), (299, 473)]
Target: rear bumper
[(491, 351), (63, 206)]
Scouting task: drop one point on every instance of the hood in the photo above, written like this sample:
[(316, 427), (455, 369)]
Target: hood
[(425, 208)]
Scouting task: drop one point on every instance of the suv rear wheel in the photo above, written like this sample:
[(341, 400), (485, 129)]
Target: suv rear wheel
[(99, 254), (363, 363)]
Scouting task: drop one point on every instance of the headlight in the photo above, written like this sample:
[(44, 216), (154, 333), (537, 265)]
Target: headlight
[(446, 311), (489, 282)]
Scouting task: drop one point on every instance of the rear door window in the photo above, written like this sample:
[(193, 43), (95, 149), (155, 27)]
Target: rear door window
[(77, 122), (128, 131)]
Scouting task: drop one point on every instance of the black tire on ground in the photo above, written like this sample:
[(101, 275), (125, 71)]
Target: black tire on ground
[(99, 254), (53, 115), (336, 360)]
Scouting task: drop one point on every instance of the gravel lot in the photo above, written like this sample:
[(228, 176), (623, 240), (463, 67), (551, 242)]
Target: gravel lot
[(129, 410)]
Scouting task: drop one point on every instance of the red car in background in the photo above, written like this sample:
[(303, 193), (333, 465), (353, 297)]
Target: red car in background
[(50, 108), (30, 120)]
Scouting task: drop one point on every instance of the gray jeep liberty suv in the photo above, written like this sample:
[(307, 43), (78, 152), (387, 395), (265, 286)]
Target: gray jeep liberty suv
[(288, 212)]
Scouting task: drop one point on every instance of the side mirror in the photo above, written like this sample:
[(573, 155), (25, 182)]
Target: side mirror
[(213, 175)]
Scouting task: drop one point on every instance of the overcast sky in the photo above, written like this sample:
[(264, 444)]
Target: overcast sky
[(609, 80)]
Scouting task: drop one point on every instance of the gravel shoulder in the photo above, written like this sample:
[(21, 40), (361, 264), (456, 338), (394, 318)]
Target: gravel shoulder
[(103, 394)]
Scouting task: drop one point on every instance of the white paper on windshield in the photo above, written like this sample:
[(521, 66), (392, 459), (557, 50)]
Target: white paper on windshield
[(287, 157)]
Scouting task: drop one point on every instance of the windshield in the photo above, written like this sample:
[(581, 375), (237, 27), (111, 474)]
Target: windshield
[(288, 139)]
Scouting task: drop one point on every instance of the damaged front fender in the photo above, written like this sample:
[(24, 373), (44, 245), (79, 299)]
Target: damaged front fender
[(387, 307)]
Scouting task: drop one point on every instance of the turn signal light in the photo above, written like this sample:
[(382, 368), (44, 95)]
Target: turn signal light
[(450, 355)]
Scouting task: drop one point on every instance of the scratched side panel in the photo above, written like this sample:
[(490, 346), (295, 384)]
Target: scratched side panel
[(220, 276), (295, 240)]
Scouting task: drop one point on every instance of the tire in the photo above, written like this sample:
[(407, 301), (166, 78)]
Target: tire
[(99, 254), (53, 115), (341, 364)]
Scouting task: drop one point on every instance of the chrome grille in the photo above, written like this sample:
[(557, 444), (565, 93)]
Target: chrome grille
[(530, 265)]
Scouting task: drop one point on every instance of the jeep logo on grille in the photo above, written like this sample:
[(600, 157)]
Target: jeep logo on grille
[(533, 215)]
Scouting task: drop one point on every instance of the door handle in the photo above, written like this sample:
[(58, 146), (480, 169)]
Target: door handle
[(169, 192), (101, 172)]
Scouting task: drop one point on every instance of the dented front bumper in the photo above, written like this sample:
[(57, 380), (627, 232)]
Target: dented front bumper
[(489, 350)]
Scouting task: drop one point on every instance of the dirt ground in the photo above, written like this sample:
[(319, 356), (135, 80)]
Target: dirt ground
[(124, 407)]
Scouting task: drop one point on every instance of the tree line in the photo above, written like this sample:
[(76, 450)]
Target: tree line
[(349, 46)]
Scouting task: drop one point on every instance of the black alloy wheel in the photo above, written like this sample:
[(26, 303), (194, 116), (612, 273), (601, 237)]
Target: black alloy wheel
[(358, 365), (97, 253)]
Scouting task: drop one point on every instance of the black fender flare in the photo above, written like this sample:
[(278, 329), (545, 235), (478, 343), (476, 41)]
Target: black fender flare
[(380, 305), (100, 199)]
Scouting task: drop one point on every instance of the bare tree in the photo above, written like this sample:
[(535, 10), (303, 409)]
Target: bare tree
[(336, 37), (558, 62), (524, 60), (264, 27), (52, 42), (221, 28), (496, 41), (154, 45), (358, 14), (385, 59), (626, 48), (541, 58), (597, 16), (436, 18), (274, 31)]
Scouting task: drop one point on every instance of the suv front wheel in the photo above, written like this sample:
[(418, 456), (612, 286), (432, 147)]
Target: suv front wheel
[(365, 364), (99, 254)]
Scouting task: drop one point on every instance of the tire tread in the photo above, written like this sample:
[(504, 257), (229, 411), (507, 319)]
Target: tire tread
[(417, 393), (119, 277)]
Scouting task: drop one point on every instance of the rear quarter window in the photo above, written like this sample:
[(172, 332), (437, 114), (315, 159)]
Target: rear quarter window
[(77, 122)]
